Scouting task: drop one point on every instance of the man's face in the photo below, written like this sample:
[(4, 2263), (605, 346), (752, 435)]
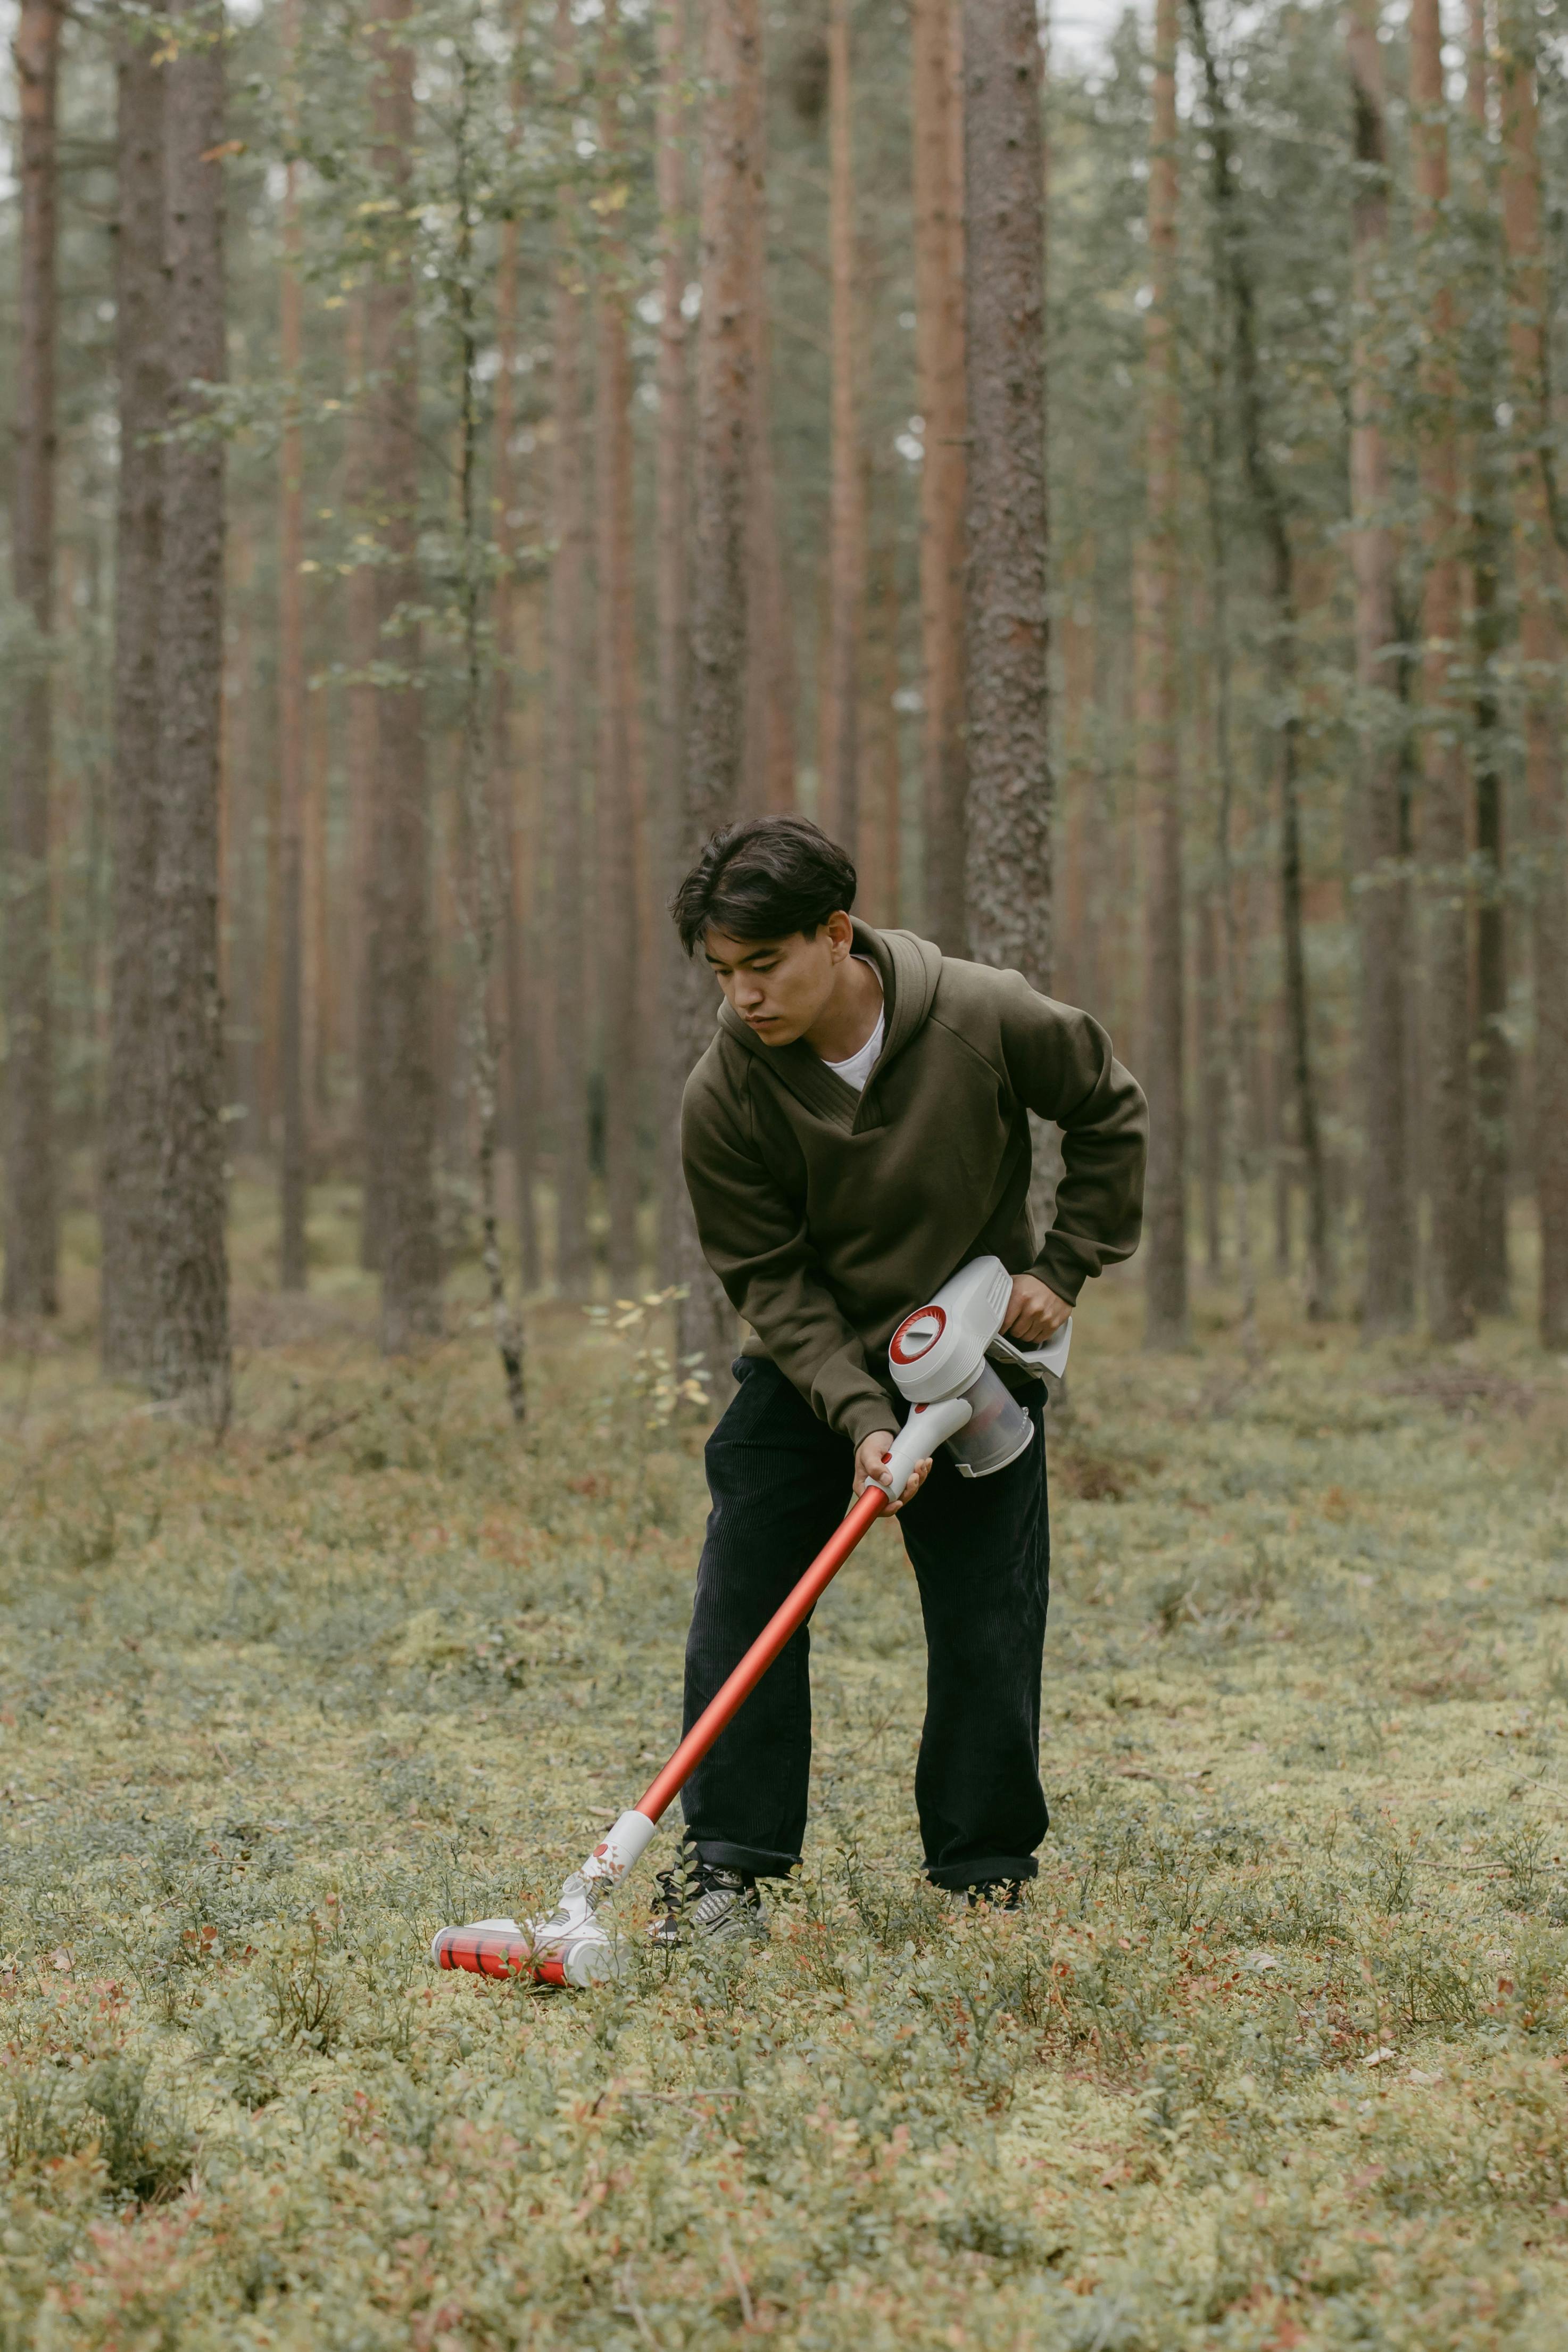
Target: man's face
[(779, 987)]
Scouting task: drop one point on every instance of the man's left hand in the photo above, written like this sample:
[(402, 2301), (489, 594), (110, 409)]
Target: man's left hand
[(1035, 1314)]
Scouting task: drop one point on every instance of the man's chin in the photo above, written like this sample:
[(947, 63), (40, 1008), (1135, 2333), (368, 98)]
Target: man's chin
[(774, 1033)]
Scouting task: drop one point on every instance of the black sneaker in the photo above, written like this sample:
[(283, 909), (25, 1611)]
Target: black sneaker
[(996, 1895), (704, 1903)]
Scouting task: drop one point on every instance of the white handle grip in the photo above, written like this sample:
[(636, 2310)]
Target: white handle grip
[(927, 1427), (1051, 1358)]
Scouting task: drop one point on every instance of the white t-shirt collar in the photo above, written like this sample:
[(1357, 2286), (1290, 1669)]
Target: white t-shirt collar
[(858, 1068)]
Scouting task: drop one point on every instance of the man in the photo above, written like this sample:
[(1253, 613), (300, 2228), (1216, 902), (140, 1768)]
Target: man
[(858, 1130)]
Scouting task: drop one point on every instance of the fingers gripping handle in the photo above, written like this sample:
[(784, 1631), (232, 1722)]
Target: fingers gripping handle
[(927, 1427)]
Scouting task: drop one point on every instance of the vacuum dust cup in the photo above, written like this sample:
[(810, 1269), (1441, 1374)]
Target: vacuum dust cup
[(997, 1431)]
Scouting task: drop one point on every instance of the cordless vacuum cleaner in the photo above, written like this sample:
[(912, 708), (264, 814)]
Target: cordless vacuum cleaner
[(939, 1358)]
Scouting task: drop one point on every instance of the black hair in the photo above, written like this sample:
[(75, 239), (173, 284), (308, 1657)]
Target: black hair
[(765, 878)]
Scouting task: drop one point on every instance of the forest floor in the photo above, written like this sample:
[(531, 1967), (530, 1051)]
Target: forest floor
[(1275, 2058)]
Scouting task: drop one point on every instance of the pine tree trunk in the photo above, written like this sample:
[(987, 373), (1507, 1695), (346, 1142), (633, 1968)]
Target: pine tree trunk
[(403, 1127), (1240, 1087), (514, 803), (363, 748), (839, 801), (1211, 1090), (191, 1336), (1388, 1298), (321, 980), (1491, 1052), (1449, 1142), (290, 1011), (1008, 869), (569, 692), (480, 864), (1269, 503), (671, 515), (939, 395), (1538, 578), (768, 773), (726, 349), (1167, 1324), (877, 854), (245, 846), (617, 647), (31, 1217), (130, 1151)]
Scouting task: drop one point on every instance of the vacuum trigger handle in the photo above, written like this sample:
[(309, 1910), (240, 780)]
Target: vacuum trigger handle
[(927, 1427)]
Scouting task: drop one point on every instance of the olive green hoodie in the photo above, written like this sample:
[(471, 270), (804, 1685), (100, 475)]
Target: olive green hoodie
[(829, 1215)]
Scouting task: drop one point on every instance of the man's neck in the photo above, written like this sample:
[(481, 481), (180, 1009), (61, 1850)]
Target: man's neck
[(850, 1013)]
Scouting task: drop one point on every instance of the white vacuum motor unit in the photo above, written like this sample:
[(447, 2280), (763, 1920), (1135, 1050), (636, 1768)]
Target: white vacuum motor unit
[(942, 1350)]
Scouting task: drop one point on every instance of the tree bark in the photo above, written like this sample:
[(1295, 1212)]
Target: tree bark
[(321, 976), (1166, 1320), (245, 846), (767, 772), (672, 509), (290, 1009), (838, 802), (522, 1090), (1008, 867), (570, 673), (1540, 652), (130, 1150), (1211, 1089), (1491, 1052), (618, 735), (878, 850), (725, 409), (31, 1216), (362, 621), (191, 1335), (404, 1129), (1241, 1092), (1448, 1141), (481, 865), (1267, 497), (1388, 1296), (940, 397)]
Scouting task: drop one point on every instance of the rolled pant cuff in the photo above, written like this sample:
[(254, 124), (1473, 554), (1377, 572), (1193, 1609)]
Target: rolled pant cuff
[(758, 1860), (958, 1876)]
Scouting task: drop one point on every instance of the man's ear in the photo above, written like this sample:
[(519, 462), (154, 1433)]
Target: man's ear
[(840, 934)]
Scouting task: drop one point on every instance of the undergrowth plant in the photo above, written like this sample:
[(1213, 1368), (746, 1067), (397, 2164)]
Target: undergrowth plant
[(1274, 2056)]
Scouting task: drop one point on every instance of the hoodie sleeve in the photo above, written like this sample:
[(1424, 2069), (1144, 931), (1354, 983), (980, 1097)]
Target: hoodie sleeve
[(756, 1241), (1060, 1066)]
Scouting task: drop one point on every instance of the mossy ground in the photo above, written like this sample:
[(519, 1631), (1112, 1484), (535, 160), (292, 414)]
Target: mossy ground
[(1276, 2057)]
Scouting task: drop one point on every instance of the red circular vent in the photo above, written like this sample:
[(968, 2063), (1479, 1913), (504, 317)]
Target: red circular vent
[(917, 1334)]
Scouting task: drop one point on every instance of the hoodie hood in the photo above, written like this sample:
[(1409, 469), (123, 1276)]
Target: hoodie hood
[(909, 968)]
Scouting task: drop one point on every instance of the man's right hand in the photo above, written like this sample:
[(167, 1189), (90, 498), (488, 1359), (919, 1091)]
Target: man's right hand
[(870, 1460)]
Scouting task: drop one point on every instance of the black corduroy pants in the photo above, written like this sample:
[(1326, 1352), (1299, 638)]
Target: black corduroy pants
[(780, 1481)]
